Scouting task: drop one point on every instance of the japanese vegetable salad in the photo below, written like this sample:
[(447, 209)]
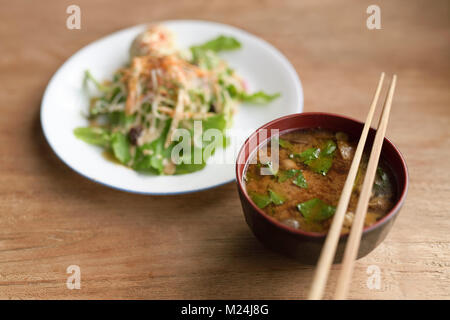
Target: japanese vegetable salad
[(163, 88)]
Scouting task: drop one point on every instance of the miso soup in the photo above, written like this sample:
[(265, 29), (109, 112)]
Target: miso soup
[(304, 190)]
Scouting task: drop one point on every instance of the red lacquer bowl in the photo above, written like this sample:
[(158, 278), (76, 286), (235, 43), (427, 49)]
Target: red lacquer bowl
[(306, 246)]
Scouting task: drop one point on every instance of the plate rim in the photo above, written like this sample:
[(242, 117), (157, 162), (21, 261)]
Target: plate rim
[(268, 46)]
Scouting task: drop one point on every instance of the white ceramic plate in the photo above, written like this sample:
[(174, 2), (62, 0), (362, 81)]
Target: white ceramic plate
[(261, 65)]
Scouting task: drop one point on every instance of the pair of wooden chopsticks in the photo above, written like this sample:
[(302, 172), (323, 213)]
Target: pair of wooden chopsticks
[(332, 239)]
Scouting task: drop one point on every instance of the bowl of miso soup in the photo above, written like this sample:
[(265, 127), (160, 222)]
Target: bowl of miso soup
[(290, 174)]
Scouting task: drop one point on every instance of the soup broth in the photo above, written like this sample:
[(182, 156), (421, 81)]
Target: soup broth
[(304, 190)]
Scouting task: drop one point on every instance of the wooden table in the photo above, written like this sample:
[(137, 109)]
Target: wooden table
[(198, 245)]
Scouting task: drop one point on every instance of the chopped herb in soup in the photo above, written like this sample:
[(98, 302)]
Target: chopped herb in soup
[(304, 190)]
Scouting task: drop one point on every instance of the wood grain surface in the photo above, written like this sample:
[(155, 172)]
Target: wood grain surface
[(198, 245)]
